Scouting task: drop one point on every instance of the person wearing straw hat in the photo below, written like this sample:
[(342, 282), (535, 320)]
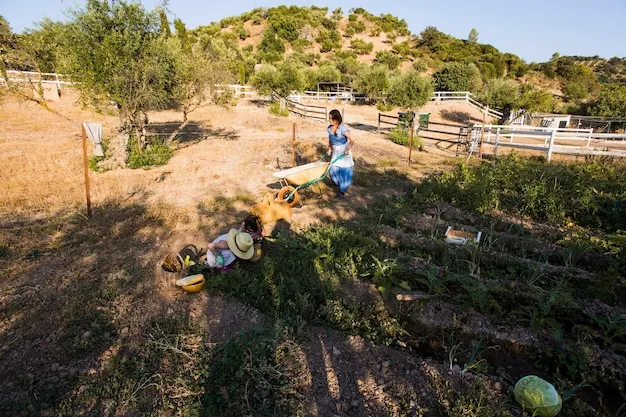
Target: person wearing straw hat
[(224, 251)]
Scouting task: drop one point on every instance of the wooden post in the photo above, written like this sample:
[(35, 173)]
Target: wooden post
[(552, 135), (293, 145), (482, 132), (495, 151), (86, 168), (378, 123), (411, 139)]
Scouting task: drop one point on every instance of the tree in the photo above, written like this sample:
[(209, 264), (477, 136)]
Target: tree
[(45, 44), (181, 33), (12, 54), (610, 103), (373, 81), (533, 99), (456, 76), (410, 90), (164, 23), (196, 77), (501, 94), (281, 80), (473, 36), (118, 55)]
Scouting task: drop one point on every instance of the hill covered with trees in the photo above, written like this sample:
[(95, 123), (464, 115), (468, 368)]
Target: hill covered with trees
[(289, 48)]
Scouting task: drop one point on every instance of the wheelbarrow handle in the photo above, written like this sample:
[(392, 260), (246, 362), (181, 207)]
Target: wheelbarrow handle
[(332, 161)]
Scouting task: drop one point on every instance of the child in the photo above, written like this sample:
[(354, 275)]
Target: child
[(224, 251), (252, 225)]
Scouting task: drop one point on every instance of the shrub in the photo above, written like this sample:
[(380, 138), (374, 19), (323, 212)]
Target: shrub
[(277, 111), (158, 153), (383, 107), (243, 33), (328, 40), (361, 47), (329, 24), (420, 65), (389, 59), (357, 26), (400, 136)]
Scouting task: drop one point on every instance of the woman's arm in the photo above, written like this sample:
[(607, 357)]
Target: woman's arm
[(348, 135)]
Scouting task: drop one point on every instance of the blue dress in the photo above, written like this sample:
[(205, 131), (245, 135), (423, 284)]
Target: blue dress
[(342, 171)]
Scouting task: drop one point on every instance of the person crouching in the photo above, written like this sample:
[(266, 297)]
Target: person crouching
[(224, 251)]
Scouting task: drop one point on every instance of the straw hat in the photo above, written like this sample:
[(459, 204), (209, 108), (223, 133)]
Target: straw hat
[(241, 244)]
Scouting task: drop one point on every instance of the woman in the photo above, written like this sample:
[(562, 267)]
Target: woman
[(340, 143)]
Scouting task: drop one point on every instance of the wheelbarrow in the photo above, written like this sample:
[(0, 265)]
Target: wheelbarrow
[(298, 178)]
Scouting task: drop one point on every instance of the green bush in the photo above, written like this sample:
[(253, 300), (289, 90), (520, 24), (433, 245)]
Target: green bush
[(389, 59), (384, 107), (157, 153), (277, 111), (361, 47), (357, 26), (588, 194), (400, 136), (328, 40)]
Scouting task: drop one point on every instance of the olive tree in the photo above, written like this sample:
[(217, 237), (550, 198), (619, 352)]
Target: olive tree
[(117, 55), (410, 90)]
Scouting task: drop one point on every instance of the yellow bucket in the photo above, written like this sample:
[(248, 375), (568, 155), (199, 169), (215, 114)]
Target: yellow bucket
[(192, 283)]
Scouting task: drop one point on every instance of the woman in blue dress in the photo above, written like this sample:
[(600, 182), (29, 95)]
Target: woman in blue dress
[(340, 142)]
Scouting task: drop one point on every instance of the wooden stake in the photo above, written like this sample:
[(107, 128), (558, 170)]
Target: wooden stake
[(411, 139), (293, 146), (86, 168)]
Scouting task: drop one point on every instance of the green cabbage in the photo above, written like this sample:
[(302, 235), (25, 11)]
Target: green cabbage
[(538, 396)]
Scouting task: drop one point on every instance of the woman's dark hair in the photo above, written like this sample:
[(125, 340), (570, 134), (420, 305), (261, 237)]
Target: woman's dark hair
[(252, 223), (335, 115)]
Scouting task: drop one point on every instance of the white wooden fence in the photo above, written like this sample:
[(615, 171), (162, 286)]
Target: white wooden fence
[(468, 98), (240, 91), (37, 77), (549, 140)]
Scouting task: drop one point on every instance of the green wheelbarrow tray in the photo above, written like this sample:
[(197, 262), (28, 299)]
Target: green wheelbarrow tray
[(303, 176)]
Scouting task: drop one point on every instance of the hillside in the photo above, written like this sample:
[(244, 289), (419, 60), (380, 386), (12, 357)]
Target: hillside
[(314, 44)]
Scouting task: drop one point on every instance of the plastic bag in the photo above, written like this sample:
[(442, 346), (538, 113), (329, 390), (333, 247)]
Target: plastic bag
[(538, 396)]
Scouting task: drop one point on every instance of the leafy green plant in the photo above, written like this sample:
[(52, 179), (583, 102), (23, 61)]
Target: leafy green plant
[(277, 111), (158, 153)]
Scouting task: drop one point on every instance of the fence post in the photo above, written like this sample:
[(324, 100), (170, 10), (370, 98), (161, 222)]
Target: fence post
[(552, 135), (378, 124), (495, 151), (86, 168), (293, 145)]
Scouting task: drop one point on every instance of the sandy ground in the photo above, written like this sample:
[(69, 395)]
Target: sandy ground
[(41, 154)]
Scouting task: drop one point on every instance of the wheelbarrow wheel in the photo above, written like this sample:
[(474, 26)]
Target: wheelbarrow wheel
[(290, 192)]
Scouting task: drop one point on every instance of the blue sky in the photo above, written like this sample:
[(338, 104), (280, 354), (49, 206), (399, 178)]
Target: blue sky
[(531, 29)]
